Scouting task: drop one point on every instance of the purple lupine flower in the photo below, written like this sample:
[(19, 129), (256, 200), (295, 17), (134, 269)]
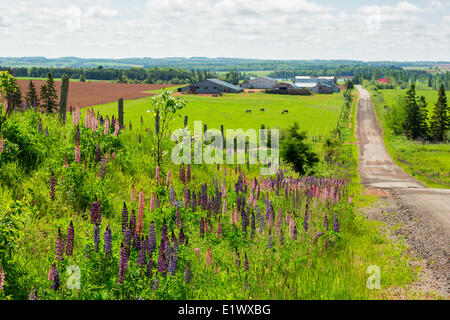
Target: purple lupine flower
[(124, 217), (253, 225), (156, 283), (261, 222), (136, 241), (187, 273), (317, 236), (70, 239), (181, 236), (246, 265), (325, 222), (140, 139), (108, 240), (281, 236), (132, 225), (294, 233), (162, 266), (55, 285), (202, 227), (96, 237), (173, 257), (123, 264), (102, 167), (269, 240), (305, 220), (150, 265), (98, 153), (336, 223), (33, 295), (151, 238), (59, 245), (52, 186), (188, 173), (96, 212), (142, 259), (173, 238), (182, 174)]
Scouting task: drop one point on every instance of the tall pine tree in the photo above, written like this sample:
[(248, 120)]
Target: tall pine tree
[(416, 115), (31, 97), (440, 120), (48, 95)]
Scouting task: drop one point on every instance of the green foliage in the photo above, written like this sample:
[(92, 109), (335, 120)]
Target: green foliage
[(31, 97), (415, 124), (63, 98), (164, 109), (294, 149), (48, 95), (440, 120)]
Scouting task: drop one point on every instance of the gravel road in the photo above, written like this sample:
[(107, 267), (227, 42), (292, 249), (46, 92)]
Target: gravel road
[(423, 213)]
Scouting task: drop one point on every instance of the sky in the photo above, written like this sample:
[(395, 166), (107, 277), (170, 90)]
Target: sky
[(265, 29)]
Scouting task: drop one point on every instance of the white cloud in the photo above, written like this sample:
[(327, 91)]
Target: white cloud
[(280, 29)]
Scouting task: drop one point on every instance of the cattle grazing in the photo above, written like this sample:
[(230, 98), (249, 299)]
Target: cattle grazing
[(284, 111), (262, 110), (248, 110)]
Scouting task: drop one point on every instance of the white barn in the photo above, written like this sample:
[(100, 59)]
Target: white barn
[(260, 83)]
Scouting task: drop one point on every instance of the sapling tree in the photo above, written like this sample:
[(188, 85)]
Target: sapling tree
[(8, 89), (164, 109)]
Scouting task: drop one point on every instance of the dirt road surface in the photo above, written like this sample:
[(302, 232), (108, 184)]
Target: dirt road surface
[(422, 213)]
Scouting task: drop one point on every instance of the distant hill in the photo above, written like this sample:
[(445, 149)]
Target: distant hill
[(216, 64)]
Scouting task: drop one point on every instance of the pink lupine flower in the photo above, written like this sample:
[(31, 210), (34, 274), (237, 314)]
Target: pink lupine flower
[(350, 199), (140, 222), (50, 273), (77, 153), (113, 155), (2, 145), (168, 179), (106, 126), (117, 128), (208, 257)]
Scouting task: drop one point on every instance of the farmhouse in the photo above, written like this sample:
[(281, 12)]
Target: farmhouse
[(317, 84), (212, 85), (259, 83)]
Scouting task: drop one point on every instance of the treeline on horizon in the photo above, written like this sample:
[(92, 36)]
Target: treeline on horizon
[(396, 75)]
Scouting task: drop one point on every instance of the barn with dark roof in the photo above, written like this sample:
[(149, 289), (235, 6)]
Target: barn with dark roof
[(211, 86)]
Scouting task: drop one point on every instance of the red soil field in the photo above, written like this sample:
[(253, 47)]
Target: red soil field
[(99, 92)]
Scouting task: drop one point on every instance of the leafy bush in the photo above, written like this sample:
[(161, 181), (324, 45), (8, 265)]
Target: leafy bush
[(294, 149)]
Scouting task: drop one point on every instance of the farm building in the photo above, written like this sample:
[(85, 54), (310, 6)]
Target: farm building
[(259, 83), (285, 85), (211, 86), (382, 80), (317, 84)]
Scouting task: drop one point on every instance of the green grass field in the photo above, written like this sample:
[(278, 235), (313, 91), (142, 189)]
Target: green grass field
[(428, 162), (317, 114)]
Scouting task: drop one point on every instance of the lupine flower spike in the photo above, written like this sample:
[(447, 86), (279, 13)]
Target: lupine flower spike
[(70, 239)]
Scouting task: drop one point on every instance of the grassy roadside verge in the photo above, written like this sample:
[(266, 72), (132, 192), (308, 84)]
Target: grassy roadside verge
[(426, 162)]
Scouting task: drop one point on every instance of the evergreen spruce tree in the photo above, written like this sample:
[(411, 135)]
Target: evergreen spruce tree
[(440, 120), (422, 118), (48, 95), (31, 97)]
